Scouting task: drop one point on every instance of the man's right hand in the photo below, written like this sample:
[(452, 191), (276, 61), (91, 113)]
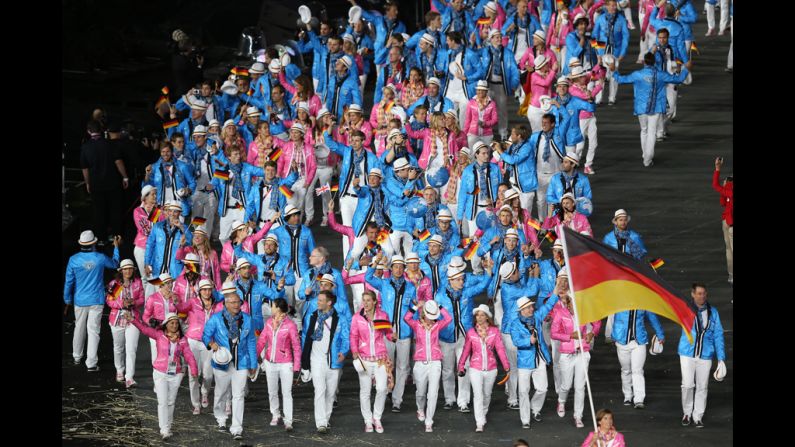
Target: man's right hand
[(213, 346), (718, 163), (148, 271)]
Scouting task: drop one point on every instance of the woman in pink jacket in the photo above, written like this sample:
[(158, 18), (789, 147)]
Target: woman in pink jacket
[(144, 227), (421, 282), (354, 120), (302, 91), (482, 347), (454, 127), (540, 85), (413, 89), (262, 141), (606, 434), (279, 347), (298, 154), (186, 286), (240, 239), (587, 86), (481, 116), (574, 354), (126, 295), (438, 144), (556, 34), (379, 114), (368, 347), (568, 216), (208, 258), (199, 309), (159, 304), (648, 35), (427, 356), (172, 346)]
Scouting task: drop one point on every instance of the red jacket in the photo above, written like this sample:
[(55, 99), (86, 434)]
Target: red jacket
[(726, 197)]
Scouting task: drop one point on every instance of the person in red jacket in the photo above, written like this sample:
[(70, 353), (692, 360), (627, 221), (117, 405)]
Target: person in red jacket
[(726, 191)]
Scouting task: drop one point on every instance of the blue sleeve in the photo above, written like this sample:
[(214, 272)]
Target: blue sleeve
[(624, 38), (68, 292), (410, 111), (112, 263), (150, 247), (673, 79), (369, 276), (717, 338), (521, 156), (415, 39), (655, 323), (189, 176), (573, 48), (440, 6), (583, 105), (656, 22), (314, 42), (180, 105), (335, 146), (209, 331), (544, 310)]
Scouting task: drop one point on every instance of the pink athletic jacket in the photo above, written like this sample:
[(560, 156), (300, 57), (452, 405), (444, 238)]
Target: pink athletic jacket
[(423, 286), (315, 104), (164, 346), (214, 267), (490, 118), (650, 5), (253, 152), (558, 40), (134, 290), (366, 127), (427, 341), (618, 441), (474, 350), (379, 144), (425, 135), (529, 58), (155, 307), (287, 345), (579, 223), (367, 342), (285, 160), (197, 316), (184, 291), (359, 279), (228, 257), (563, 326), (540, 85), (575, 90), (142, 224)]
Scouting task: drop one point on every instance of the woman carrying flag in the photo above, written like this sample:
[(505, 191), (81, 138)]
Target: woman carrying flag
[(209, 266), (483, 345), (125, 296), (370, 327), (144, 216)]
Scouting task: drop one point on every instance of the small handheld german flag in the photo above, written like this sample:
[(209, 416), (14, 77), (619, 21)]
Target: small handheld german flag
[(424, 235), (389, 106), (371, 245), (196, 221), (417, 193), (476, 191), (470, 252), (382, 325), (382, 235), (221, 175), (171, 123), (536, 225), (694, 48), (505, 378), (240, 71), (286, 192), (657, 263), (551, 236), (484, 21), (465, 242), (597, 45), (275, 154), (115, 291), (154, 216), (335, 188)]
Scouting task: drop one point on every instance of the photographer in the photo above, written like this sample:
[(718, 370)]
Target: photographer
[(726, 190), (186, 63)]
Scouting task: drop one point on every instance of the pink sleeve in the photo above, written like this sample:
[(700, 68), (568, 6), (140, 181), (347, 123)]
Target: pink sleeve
[(416, 134), (216, 269), (282, 163), (296, 344), (465, 353), (354, 335), (256, 237), (341, 229), (311, 167), (263, 336), (286, 84), (619, 441), (374, 116), (145, 329), (113, 303), (530, 233), (559, 331), (596, 327), (367, 129), (426, 154), (527, 57), (467, 117), (587, 442), (182, 251), (355, 279), (226, 256), (138, 295), (492, 115)]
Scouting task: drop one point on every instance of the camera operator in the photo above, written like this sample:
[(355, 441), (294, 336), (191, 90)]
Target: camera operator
[(186, 63)]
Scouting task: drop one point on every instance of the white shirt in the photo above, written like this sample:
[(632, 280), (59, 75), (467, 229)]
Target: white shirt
[(265, 212), (456, 86), (362, 177), (547, 167), (320, 348)]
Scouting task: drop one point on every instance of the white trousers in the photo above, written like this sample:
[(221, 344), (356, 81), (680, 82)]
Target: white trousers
[(362, 82), (632, 357), (166, 388), (671, 95), (205, 205), (224, 380), (373, 373), (612, 83), (324, 380), (728, 239), (203, 357), (87, 321), (730, 58), (609, 326), (226, 223), (140, 256), (541, 194), (588, 129), (451, 352), (485, 139), (695, 378), (526, 199), (402, 242), (497, 93), (125, 347), (539, 378), (482, 385), (556, 374), (513, 380), (648, 135), (571, 367), (535, 115), (291, 295), (399, 353), (460, 103), (426, 378), (628, 16), (724, 15), (347, 209), (277, 373), (322, 176)]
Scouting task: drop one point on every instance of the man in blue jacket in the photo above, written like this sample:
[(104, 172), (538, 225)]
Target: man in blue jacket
[(400, 187), (668, 57), (429, 58), (173, 179), (233, 191), (631, 338), (433, 101), (317, 45), (550, 149), (343, 88), (84, 287), (163, 242), (459, 86), (232, 330), (649, 87), (519, 162), (295, 243), (386, 25), (696, 358), (329, 53), (611, 29), (397, 295), (519, 27), (256, 293), (478, 189), (264, 201), (578, 45), (570, 180), (502, 74), (573, 105)]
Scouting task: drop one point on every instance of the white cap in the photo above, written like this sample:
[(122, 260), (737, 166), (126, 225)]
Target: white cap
[(346, 61), (510, 194), (491, 6), (511, 232), (568, 195), (572, 157), (228, 123), (376, 171), (222, 356), (577, 72), (169, 316), (397, 259), (165, 277), (299, 127), (482, 85), (540, 61), (436, 239), (393, 133), (200, 229), (400, 163), (454, 273), (328, 278), (275, 66), (272, 237), (303, 105), (505, 208), (347, 37), (214, 123), (205, 284), (494, 32), (482, 308), (507, 269), (523, 302), (355, 108), (427, 38), (431, 310), (322, 112), (456, 262), (290, 209), (199, 130), (146, 190), (563, 80), (241, 262), (444, 214), (574, 62), (198, 104), (540, 34), (580, 16), (192, 258), (412, 257), (237, 225), (619, 213), (253, 111), (563, 273), (127, 263), (173, 204), (257, 68), (465, 151), (557, 245), (228, 287), (392, 87), (435, 80)]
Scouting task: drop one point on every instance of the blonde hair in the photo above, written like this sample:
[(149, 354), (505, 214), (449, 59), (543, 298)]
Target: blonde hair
[(437, 120)]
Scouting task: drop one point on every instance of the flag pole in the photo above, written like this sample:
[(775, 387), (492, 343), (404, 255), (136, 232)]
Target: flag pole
[(577, 322)]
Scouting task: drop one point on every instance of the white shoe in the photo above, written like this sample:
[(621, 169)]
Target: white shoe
[(368, 428), (324, 222), (429, 429), (479, 429), (578, 423), (421, 415), (561, 409), (378, 427), (275, 421), (196, 410), (119, 376)]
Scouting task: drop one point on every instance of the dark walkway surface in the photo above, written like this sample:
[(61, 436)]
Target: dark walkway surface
[(672, 206)]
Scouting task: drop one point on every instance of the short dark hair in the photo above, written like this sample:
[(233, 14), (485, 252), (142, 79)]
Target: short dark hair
[(357, 133), (648, 59), (370, 226), (270, 164), (549, 116), (281, 304), (272, 52), (177, 136), (430, 16), (522, 131), (277, 87), (662, 31), (398, 36), (94, 126), (337, 38), (696, 285), (329, 295), (455, 36), (520, 443)]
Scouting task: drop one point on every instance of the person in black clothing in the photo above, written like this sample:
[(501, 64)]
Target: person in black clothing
[(186, 66), (131, 152), (104, 174)]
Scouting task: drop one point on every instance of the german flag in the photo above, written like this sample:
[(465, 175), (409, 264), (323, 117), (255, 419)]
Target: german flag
[(551, 236), (240, 71), (251, 91), (286, 192), (115, 291), (417, 193), (465, 241), (389, 106), (424, 235), (154, 216), (484, 21), (164, 91), (171, 123), (382, 325), (606, 281), (470, 252), (192, 267), (597, 45), (221, 175), (198, 221), (371, 245), (536, 225), (657, 263), (335, 188), (383, 234), (275, 154), (694, 48), (161, 101)]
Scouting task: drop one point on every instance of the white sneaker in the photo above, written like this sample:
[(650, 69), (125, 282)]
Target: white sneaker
[(275, 421), (429, 429), (578, 423), (120, 376), (421, 415), (368, 427), (479, 429), (324, 222), (196, 410), (561, 409), (378, 427)]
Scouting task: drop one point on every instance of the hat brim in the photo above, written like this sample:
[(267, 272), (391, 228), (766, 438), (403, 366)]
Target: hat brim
[(174, 317), (627, 216), (432, 316), (91, 242), (529, 303)]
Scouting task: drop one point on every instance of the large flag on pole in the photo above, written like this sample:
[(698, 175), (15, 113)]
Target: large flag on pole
[(606, 281)]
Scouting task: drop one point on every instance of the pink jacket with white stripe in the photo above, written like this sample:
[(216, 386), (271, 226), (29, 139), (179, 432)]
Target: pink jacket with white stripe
[(429, 145), (529, 58), (285, 160), (563, 326), (288, 347), (473, 350), (315, 104), (427, 341), (228, 257), (490, 118), (423, 286), (575, 90), (559, 39), (164, 346), (367, 130), (214, 267), (579, 223), (155, 307), (142, 224), (197, 317), (366, 341), (539, 86), (135, 289)]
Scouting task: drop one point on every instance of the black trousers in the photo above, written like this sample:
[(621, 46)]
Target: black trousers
[(107, 212)]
